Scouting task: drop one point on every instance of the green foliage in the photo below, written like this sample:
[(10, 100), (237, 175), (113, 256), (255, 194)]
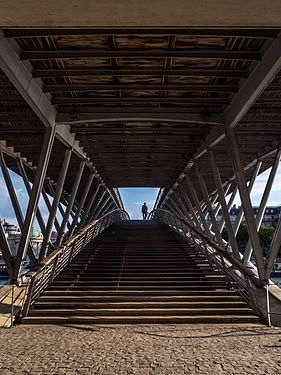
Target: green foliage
[(265, 233)]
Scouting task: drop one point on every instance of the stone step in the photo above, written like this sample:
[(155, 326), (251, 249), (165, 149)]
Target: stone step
[(133, 287), (132, 275), (140, 311), (197, 319), (51, 304), (181, 282), (162, 277), (125, 274), (179, 294)]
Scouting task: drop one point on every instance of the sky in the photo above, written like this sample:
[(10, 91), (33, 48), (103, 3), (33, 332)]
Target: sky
[(6, 208), (259, 186), (133, 198)]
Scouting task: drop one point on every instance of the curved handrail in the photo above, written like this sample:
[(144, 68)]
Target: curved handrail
[(244, 270), (71, 240), (40, 277), (115, 210)]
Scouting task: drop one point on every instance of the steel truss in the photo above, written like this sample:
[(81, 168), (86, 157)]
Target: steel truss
[(36, 181), (184, 202), (38, 185), (259, 78), (191, 197)]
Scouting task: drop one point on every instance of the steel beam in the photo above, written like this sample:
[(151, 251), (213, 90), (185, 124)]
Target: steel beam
[(273, 251), (79, 118), (177, 209), (181, 204), (70, 202), (52, 88), (96, 208), (205, 193), (217, 179), (161, 53), (81, 203), (15, 203), (197, 205), (129, 99), (49, 207), (178, 202), (198, 72), (55, 203), (108, 208), (28, 189), (88, 110), (259, 78), (19, 74), (262, 206), (89, 206), (34, 196), (6, 252), (170, 207), (229, 205), (53, 193), (240, 214), (86, 133), (100, 211), (11, 191), (207, 32), (245, 199), (190, 207)]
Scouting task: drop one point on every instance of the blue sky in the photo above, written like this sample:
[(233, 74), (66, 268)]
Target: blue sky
[(133, 198), (6, 208), (275, 195)]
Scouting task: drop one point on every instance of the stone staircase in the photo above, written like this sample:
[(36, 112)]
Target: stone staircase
[(139, 272)]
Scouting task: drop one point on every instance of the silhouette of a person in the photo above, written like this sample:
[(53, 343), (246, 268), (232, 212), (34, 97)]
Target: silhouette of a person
[(144, 210)]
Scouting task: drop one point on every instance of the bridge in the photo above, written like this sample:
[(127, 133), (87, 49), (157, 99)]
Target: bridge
[(194, 111)]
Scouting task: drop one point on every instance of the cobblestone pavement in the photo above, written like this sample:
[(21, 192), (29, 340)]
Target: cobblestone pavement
[(122, 350)]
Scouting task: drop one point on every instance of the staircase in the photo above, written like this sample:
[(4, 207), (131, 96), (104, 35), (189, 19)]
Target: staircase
[(139, 272)]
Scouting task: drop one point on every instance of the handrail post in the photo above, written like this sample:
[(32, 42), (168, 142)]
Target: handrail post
[(71, 252), (29, 297), (12, 305), (53, 274), (268, 304)]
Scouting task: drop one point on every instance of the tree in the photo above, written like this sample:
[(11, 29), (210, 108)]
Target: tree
[(265, 234)]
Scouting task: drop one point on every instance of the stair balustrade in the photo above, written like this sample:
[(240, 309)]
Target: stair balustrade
[(244, 280), (39, 278)]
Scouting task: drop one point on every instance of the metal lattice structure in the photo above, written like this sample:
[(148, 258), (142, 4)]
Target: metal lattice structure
[(195, 112)]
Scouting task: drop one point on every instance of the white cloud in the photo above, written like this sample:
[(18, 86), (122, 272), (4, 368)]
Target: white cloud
[(258, 189)]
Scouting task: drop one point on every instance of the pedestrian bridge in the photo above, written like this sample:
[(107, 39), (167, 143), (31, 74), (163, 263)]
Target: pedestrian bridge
[(195, 112)]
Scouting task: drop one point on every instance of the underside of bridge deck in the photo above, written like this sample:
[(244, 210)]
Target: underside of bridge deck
[(195, 112), (140, 105)]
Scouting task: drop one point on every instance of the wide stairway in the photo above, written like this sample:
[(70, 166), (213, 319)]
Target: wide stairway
[(139, 272)]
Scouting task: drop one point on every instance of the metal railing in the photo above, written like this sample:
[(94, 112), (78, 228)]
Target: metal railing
[(239, 277), (39, 279)]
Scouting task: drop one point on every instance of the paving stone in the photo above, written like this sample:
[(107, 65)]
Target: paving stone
[(144, 350)]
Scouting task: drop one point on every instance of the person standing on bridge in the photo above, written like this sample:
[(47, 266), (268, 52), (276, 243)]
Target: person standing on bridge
[(144, 211)]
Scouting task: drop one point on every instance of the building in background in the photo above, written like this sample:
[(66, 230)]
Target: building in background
[(13, 234), (270, 218)]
